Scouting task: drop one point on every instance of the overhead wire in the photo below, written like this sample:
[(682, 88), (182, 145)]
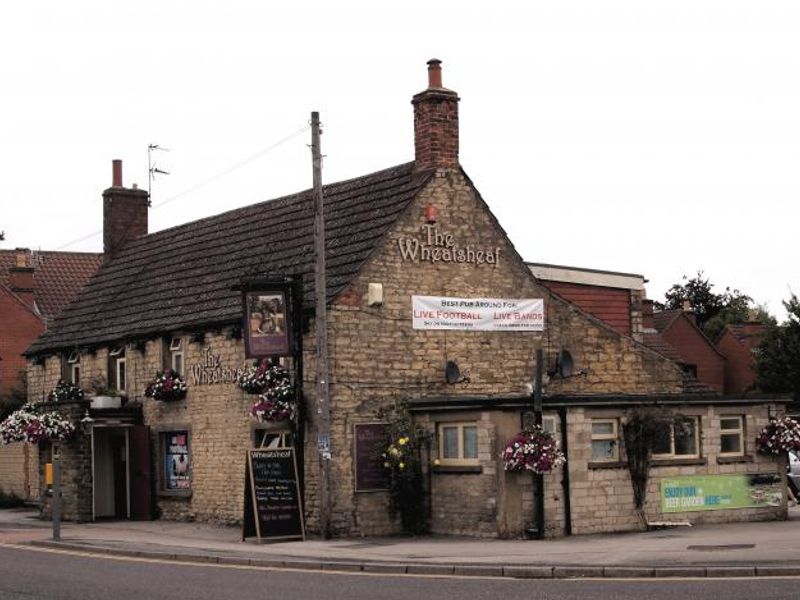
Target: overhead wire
[(206, 181)]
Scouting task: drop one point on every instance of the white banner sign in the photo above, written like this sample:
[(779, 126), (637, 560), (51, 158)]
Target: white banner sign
[(478, 314)]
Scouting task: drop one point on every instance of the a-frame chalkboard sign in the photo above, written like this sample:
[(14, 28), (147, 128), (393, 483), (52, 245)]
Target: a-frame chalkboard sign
[(273, 509)]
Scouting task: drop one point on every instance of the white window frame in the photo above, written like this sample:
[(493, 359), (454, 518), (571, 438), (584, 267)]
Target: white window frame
[(671, 455), (550, 424), (176, 353), (120, 369), (75, 374), (605, 437), (739, 432), (460, 460)]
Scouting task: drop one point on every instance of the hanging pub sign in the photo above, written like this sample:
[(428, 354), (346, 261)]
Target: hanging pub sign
[(267, 326)]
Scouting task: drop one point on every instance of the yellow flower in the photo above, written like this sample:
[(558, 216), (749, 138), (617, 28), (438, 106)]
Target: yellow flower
[(435, 461), (402, 441), (386, 465), (401, 465)]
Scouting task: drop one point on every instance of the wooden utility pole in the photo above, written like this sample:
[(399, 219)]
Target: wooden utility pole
[(538, 479), (323, 420)]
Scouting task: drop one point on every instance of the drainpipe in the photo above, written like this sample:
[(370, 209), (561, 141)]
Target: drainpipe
[(562, 415)]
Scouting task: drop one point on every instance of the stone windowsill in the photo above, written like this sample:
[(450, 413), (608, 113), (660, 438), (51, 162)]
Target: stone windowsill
[(679, 462), (175, 494), (730, 460), (615, 464), (457, 469)]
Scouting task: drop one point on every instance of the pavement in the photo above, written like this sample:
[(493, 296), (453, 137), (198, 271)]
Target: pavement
[(732, 550)]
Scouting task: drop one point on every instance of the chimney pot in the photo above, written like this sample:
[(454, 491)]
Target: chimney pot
[(116, 170), (434, 73)]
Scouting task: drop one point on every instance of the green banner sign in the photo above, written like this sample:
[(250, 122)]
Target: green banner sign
[(719, 492)]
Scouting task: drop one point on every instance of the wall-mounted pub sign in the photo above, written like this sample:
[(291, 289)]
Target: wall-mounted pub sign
[(267, 324)]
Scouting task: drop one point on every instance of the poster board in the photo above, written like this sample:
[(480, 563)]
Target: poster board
[(719, 492), (273, 509), (369, 439)]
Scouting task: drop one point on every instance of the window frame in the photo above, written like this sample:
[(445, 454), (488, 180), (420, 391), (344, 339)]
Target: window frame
[(117, 364), (460, 460), (605, 437), (175, 351), (739, 432), (671, 455), (75, 374)]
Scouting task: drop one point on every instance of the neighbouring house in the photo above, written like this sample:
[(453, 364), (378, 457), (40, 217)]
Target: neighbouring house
[(428, 305), (738, 343), (699, 357), (34, 287)]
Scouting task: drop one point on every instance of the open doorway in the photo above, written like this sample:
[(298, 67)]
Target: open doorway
[(111, 475)]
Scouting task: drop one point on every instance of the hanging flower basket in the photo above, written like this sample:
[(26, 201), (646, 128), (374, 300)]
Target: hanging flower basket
[(65, 391), (254, 380), (167, 386), (532, 450), (25, 425), (780, 436), (277, 402)]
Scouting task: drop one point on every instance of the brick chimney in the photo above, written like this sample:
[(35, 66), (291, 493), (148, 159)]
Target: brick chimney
[(20, 277), (435, 123), (124, 213), (648, 321)]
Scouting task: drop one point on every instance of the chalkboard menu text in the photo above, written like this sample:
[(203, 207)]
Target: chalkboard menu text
[(272, 505)]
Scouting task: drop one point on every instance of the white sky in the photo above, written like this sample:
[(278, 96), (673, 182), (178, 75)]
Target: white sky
[(647, 137)]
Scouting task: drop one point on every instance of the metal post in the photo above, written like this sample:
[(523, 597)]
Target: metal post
[(320, 288), (56, 495)]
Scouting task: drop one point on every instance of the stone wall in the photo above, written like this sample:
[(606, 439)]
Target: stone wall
[(19, 468)]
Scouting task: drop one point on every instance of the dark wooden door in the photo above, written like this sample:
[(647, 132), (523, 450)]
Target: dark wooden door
[(141, 476)]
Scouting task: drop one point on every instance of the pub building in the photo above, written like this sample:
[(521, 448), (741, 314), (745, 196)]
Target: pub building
[(429, 304)]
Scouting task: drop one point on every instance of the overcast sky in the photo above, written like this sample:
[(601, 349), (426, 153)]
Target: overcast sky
[(647, 137)]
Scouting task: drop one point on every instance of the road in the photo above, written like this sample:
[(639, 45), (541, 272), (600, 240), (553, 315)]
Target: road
[(27, 574)]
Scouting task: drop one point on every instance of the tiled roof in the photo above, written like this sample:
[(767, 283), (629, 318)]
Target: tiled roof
[(749, 334), (182, 278), (58, 276), (656, 342), (665, 318)]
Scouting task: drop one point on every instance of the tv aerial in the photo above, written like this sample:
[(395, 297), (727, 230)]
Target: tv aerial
[(152, 168)]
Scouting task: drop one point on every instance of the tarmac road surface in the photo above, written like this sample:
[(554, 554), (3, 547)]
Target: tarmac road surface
[(29, 574)]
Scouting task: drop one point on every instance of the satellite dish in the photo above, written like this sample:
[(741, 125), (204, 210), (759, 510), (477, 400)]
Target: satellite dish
[(564, 364), (452, 373)]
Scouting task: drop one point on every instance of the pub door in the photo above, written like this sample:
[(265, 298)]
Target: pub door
[(141, 497)]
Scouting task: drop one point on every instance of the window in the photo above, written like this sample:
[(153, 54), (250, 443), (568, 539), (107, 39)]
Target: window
[(678, 439), (117, 372), (74, 362), (458, 443), (550, 425), (605, 440), (731, 436), (176, 461), (270, 438), (175, 360)]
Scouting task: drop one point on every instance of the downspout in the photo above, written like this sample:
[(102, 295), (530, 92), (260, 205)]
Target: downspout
[(562, 415)]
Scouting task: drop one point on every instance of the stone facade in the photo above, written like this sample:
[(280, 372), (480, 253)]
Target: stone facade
[(378, 359)]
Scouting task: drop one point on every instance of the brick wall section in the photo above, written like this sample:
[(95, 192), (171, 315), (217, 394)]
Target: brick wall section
[(739, 364), (20, 328), (694, 348)]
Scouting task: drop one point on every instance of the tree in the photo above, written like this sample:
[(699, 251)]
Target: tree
[(714, 311), (778, 356)]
